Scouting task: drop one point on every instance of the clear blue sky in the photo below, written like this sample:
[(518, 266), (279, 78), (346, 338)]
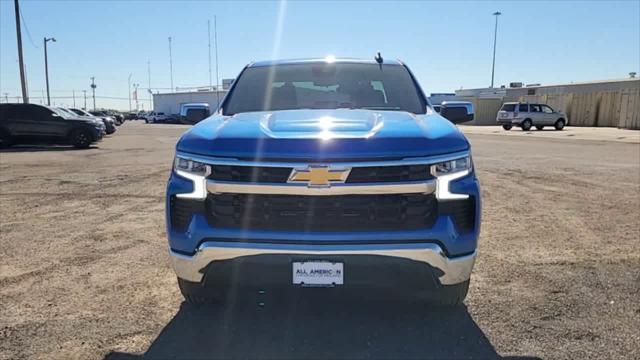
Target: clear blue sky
[(448, 45)]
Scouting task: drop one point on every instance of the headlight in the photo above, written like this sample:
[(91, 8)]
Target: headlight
[(451, 166), (190, 166)]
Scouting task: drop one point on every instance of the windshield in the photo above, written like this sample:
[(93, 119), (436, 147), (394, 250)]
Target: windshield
[(325, 86), (63, 112)]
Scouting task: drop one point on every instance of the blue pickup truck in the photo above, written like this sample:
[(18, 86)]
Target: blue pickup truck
[(325, 173)]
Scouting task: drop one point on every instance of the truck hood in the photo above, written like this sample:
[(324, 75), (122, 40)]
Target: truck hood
[(323, 135)]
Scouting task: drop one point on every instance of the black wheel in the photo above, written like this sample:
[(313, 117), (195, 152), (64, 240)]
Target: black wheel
[(526, 124), (450, 295), (539, 127), (5, 139), (146, 121), (80, 139), (507, 126), (559, 125), (194, 293)]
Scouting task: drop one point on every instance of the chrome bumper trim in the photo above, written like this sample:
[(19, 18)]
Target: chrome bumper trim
[(211, 160), (454, 270), (427, 187)]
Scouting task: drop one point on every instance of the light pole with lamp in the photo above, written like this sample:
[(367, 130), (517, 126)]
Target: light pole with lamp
[(129, 90), (135, 91), (495, 37), (46, 66)]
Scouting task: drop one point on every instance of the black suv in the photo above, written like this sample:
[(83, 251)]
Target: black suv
[(31, 123)]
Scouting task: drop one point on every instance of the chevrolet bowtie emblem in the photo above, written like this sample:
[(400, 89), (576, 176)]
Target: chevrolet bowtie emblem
[(318, 176)]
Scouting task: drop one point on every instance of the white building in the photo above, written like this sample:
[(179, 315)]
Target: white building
[(170, 103)]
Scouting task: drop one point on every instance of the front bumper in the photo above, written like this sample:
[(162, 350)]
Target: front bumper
[(449, 270), (443, 246)]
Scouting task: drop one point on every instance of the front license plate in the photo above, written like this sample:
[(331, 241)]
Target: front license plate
[(318, 273)]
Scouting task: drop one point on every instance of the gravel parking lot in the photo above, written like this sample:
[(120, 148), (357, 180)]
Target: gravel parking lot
[(85, 272)]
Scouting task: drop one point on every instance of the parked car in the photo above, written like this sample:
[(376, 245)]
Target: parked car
[(117, 116), (103, 114), (325, 173), (193, 113), (157, 117), (527, 115), (109, 123), (131, 116), (31, 123)]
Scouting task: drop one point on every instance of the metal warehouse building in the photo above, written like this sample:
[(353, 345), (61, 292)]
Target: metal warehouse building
[(614, 103), (170, 103)]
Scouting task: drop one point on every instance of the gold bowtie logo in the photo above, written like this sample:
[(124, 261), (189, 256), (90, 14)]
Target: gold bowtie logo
[(319, 175)]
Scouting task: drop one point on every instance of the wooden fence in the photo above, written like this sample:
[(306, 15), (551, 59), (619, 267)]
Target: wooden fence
[(620, 108)]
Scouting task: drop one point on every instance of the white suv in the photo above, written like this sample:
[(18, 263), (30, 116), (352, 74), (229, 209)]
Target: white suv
[(527, 115), (156, 117)]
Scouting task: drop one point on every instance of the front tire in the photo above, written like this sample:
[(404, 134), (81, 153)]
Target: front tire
[(526, 125), (194, 293), (450, 295), (559, 125), (507, 126), (80, 139)]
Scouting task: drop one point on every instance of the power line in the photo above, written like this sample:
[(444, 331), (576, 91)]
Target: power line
[(26, 28)]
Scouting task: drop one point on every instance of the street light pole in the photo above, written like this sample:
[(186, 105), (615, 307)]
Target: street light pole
[(135, 87), (129, 91), (85, 99), (495, 38), (215, 34), (170, 64), (149, 89), (93, 89), (46, 67)]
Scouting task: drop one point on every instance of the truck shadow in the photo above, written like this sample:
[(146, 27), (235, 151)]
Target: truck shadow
[(302, 323)]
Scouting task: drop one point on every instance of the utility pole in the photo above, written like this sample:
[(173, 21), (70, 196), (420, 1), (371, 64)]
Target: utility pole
[(129, 90), (46, 67), (73, 93), (6, 97), (85, 99), (495, 38), (93, 89), (23, 76), (209, 39), (170, 64), (215, 34)]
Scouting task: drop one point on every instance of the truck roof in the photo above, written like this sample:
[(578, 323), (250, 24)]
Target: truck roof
[(322, 60)]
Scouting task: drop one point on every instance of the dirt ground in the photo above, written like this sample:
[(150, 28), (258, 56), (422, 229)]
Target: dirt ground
[(84, 270)]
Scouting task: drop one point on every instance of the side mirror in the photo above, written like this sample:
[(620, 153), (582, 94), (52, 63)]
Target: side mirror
[(457, 111)]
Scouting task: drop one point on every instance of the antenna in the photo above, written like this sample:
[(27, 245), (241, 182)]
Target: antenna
[(378, 58)]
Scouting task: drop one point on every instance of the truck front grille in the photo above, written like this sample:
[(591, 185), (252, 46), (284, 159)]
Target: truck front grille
[(358, 175), (322, 213)]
